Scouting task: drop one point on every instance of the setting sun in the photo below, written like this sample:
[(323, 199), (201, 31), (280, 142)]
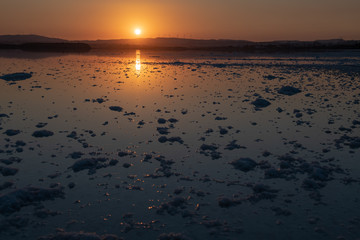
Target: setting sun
[(137, 31)]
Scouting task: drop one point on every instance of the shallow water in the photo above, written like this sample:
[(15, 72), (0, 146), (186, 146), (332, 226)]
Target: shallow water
[(306, 146)]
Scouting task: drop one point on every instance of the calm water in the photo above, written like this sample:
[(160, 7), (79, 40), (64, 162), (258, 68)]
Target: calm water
[(144, 143)]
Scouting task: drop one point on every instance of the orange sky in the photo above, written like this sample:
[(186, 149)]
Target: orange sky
[(257, 20)]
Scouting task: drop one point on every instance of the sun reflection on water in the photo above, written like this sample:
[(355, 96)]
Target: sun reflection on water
[(137, 61)]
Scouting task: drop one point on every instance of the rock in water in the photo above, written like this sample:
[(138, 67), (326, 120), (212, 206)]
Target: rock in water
[(42, 133), (16, 76), (79, 236), (261, 103), (288, 90), (92, 164), (244, 164), (12, 132), (14, 201), (116, 108), (170, 236), (7, 171)]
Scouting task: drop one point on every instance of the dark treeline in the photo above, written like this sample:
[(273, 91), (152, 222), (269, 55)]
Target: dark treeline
[(249, 47), (49, 47)]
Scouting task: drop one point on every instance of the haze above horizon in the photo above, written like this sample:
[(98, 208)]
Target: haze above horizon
[(253, 20)]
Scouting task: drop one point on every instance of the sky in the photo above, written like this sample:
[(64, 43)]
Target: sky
[(254, 20)]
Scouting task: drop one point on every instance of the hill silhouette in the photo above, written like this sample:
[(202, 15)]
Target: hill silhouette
[(41, 43), (20, 39)]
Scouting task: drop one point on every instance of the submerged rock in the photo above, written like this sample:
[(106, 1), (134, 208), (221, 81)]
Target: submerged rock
[(91, 164), (125, 153), (274, 173), (225, 202), (79, 236), (6, 185), (173, 120), (12, 132), (75, 155), (288, 90), (11, 160), (172, 207), (87, 163), (7, 171), (260, 103), (71, 185), (220, 118), (352, 142), (14, 201), (223, 131), (172, 236), (270, 77), (161, 120), (98, 100), (116, 108), (356, 122), (163, 130), (44, 213), (13, 223), (16, 76), (310, 184), (233, 145), (41, 125), (280, 211), (210, 150), (164, 139), (261, 192), (205, 147), (42, 133), (244, 164), (320, 173)]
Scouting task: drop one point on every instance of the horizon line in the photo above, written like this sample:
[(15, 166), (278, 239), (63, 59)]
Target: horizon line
[(184, 38)]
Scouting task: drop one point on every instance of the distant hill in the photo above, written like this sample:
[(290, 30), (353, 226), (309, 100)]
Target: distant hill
[(20, 39), (155, 43), (36, 43), (222, 44), (41, 43)]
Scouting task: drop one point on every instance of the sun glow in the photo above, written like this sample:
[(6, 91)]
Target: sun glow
[(137, 31)]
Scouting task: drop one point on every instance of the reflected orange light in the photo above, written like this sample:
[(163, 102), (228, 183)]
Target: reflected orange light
[(137, 61)]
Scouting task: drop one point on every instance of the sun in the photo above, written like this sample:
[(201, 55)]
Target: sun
[(137, 31)]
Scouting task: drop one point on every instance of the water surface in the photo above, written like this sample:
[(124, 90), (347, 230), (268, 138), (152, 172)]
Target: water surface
[(145, 143)]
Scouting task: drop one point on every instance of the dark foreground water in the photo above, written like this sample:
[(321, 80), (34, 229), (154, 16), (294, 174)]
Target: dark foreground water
[(180, 145)]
